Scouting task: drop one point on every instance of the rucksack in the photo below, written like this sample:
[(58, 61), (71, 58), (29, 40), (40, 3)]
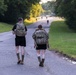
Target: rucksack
[(41, 37), (20, 30)]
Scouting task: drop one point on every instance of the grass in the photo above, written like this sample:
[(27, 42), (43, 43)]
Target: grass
[(62, 39), (4, 27), (30, 21)]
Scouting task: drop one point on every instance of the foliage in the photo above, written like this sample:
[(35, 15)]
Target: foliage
[(67, 9), (49, 7), (3, 7), (36, 10), (30, 21), (17, 8)]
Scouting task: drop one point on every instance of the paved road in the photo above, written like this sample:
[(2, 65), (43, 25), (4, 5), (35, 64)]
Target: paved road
[(54, 65)]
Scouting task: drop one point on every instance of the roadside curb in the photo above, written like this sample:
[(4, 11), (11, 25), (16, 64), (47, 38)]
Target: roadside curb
[(61, 54)]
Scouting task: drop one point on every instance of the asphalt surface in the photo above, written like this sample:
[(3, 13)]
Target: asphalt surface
[(54, 65)]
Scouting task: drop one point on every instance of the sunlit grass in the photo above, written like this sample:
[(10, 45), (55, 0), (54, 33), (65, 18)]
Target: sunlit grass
[(30, 21), (62, 39)]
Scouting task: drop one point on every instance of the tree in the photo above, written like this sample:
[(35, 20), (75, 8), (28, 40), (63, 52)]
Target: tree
[(36, 10), (3, 7), (67, 9), (49, 7), (17, 8)]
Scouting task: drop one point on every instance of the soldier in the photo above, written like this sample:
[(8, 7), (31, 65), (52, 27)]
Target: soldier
[(40, 37)]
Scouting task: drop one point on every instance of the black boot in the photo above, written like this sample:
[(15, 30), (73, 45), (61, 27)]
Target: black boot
[(18, 58), (39, 59), (42, 63), (22, 62)]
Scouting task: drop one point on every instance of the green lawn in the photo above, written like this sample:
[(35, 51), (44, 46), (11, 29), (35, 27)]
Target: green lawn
[(62, 39), (5, 27)]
